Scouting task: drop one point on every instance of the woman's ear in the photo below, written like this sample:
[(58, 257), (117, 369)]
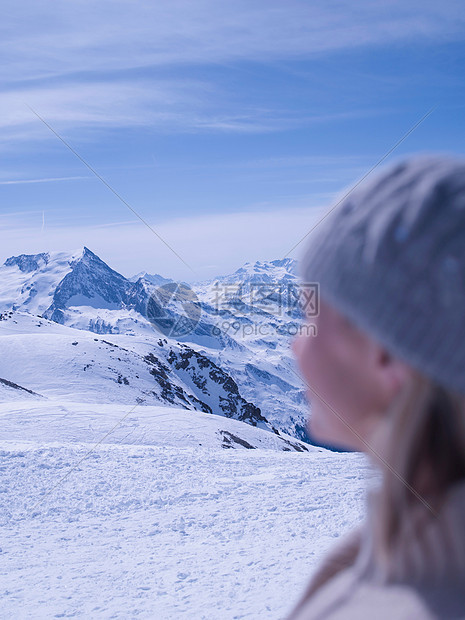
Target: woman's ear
[(392, 372)]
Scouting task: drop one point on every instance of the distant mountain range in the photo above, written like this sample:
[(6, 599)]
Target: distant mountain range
[(235, 361)]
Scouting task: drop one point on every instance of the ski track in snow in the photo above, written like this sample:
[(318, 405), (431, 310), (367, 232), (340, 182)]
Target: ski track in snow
[(163, 531)]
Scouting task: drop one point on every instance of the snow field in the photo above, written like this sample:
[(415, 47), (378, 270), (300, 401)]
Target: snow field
[(165, 531)]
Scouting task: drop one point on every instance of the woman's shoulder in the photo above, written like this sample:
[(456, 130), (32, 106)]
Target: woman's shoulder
[(425, 579), (347, 597)]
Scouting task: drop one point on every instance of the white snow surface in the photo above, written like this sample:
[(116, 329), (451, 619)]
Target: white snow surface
[(158, 520)]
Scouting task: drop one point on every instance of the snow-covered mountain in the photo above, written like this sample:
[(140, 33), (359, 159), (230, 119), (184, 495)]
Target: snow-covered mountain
[(235, 363), (154, 278), (258, 306), (49, 283), (273, 280), (284, 269), (29, 281)]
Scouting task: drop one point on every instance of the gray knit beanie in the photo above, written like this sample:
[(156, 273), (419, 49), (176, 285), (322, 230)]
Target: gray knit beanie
[(391, 257)]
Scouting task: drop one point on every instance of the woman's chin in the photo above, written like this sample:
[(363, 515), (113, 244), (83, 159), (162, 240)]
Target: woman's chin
[(316, 429)]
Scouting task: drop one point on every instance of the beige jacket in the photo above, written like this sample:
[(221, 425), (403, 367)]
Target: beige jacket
[(425, 581)]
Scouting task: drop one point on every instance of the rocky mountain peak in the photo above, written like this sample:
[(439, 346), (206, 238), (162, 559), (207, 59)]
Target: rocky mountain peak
[(28, 262)]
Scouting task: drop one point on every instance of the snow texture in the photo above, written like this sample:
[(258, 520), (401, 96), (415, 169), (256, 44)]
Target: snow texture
[(160, 521)]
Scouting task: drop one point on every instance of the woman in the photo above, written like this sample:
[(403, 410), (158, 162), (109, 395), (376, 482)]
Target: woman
[(386, 375)]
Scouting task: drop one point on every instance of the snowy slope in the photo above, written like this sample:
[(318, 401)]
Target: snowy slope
[(61, 362), (10, 391), (165, 532), (64, 421)]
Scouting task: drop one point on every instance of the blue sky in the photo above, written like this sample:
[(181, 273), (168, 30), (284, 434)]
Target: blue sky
[(230, 127)]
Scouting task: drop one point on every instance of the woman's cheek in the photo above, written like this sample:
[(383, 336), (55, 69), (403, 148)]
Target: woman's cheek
[(300, 349), (319, 423), (312, 362)]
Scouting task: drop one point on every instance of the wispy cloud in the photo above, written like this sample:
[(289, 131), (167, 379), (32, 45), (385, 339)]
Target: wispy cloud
[(104, 102), (50, 180), (167, 105), (183, 105), (81, 63), (88, 36)]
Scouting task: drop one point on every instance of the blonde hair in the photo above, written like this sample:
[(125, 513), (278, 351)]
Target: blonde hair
[(424, 449)]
